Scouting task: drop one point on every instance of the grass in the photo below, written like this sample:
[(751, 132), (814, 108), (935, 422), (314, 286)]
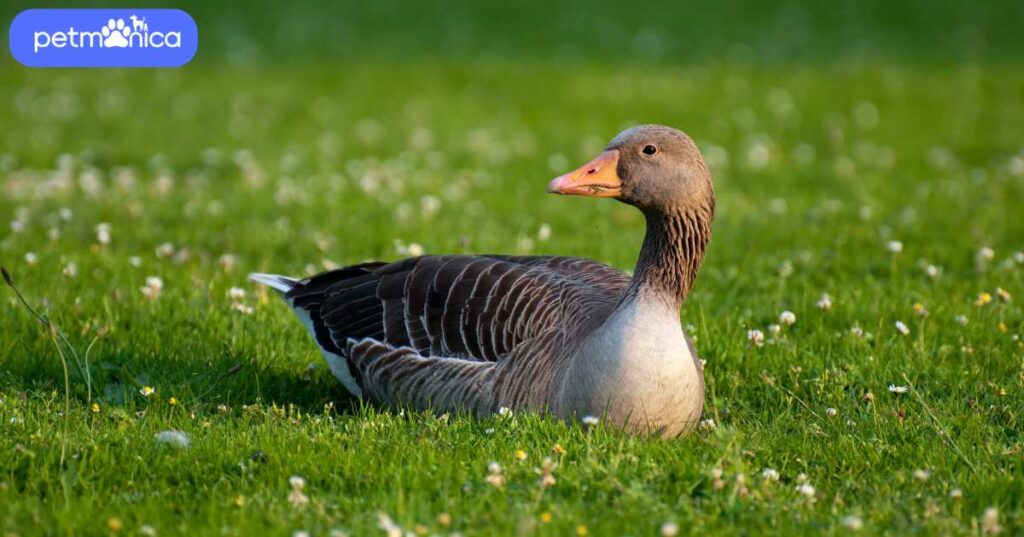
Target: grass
[(291, 168)]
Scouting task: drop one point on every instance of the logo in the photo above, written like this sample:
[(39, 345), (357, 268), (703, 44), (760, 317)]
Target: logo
[(103, 38)]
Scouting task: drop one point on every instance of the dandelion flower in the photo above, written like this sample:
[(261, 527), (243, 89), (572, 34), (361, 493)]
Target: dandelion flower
[(920, 310), (787, 318), (558, 449), (95, 408), (520, 455), (902, 328), (983, 299), (545, 517), (172, 401), (581, 530), (115, 524), (444, 519)]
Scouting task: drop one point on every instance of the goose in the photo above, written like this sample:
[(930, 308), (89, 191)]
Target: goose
[(563, 335)]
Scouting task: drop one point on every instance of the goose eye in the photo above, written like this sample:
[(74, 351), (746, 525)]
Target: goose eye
[(650, 150)]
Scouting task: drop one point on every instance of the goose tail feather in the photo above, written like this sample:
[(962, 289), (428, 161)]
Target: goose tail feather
[(282, 284)]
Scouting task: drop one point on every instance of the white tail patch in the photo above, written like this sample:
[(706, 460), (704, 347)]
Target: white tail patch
[(280, 283)]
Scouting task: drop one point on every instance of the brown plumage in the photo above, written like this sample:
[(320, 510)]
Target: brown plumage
[(564, 335)]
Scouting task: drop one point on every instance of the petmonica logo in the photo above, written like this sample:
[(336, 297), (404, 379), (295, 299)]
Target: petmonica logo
[(103, 38)]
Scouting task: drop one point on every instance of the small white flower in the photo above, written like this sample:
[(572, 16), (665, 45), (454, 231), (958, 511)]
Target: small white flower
[(961, 320), (902, 328), (103, 233), (31, 258), (932, 271), (806, 489), (70, 270), (894, 247), (505, 412), (173, 438), (544, 233), (17, 226), (243, 308), (922, 475), (669, 529), (590, 421), (297, 482), (165, 250), (300, 533), (898, 389), (146, 391), (1019, 257), (135, 261), (825, 302), (236, 294), (852, 522), (774, 329), (831, 411), (415, 249), (770, 474), (708, 425), (956, 493), (153, 287), (990, 522), (986, 254), (857, 331), (787, 317), (756, 337)]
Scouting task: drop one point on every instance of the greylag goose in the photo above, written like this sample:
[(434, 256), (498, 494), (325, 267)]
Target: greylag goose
[(564, 335)]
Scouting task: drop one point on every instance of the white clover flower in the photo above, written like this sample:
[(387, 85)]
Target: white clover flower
[(243, 308), (505, 412), (897, 389), (894, 247), (831, 411), (135, 261), (990, 522), (236, 294), (103, 233), (165, 250), (669, 529), (774, 329), (17, 226), (756, 337), (932, 271), (544, 233), (590, 421), (415, 249), (852, 522), (806, 489), (152, 288), (986, 254), (787, 317), (708, 425), (825, 302), (956, 493), (1019, 257), (297, 482), (856, 331), (70, 270), (31, 258), (770, 474), (961, 320), (922, 475), (430, 205), (902, 327)]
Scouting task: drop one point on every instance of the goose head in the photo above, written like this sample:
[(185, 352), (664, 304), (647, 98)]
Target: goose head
[(652, 167)]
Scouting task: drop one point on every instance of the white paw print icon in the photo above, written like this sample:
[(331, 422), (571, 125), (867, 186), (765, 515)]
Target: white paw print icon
[(115, 34)]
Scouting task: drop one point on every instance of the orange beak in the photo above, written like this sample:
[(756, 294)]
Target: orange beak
[(598, 178)]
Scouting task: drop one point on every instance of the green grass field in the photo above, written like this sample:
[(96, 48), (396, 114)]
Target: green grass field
[(200, 175)]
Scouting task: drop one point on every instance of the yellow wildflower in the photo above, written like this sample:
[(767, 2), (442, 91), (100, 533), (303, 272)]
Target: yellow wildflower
[(95, 408), (444, 519), (173, 401), (520, 455), (114, 523), (1002, 294), (558, 449), (983, 298), (545, 517), (146, 391), (581, 530), (1002, 327)]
